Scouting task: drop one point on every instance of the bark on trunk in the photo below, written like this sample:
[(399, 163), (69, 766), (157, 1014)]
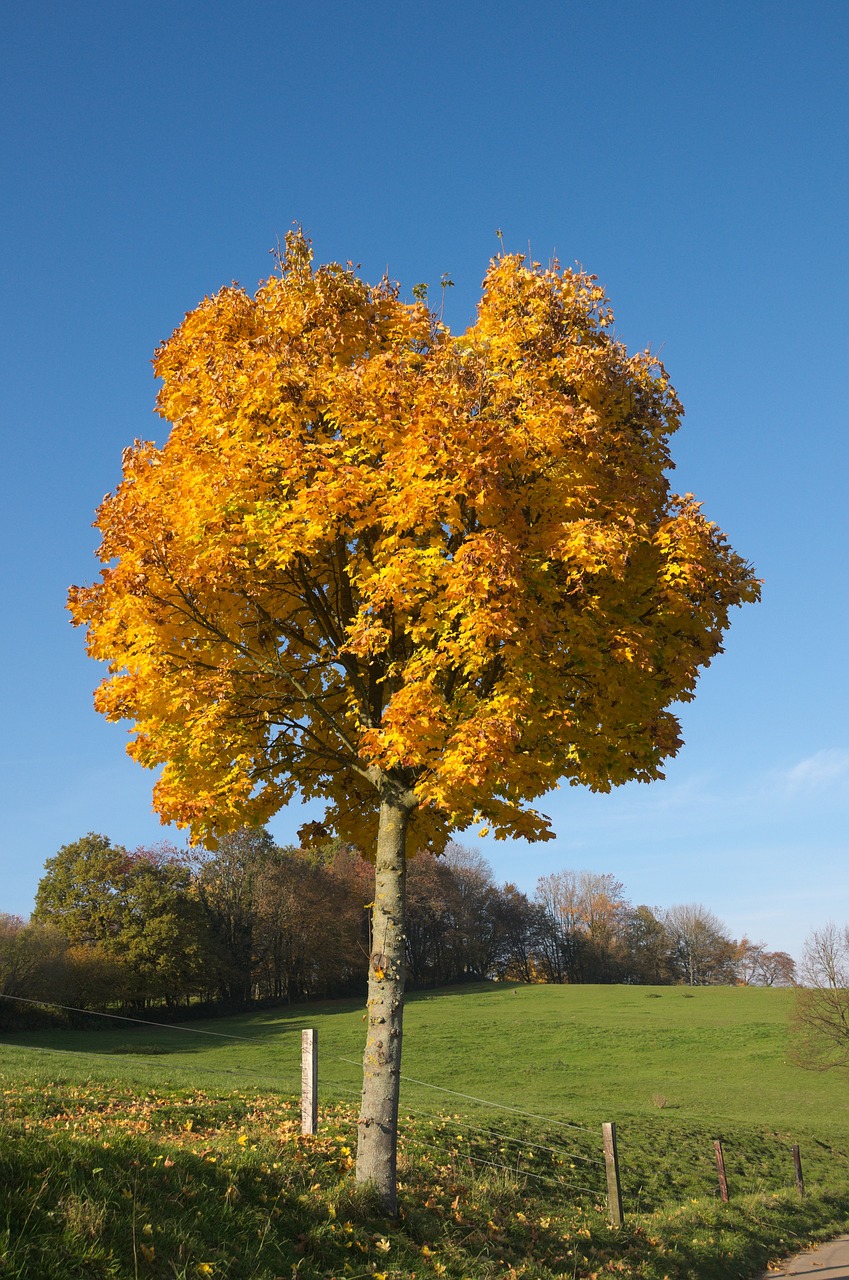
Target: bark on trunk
[(378, 1122)]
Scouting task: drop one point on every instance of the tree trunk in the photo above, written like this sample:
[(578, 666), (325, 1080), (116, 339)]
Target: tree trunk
[(378, 1122)]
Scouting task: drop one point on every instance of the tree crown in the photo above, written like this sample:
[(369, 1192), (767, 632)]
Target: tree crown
[(375, 554)]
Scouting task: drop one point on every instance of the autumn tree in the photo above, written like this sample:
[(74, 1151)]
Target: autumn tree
[(415, 575), (135, 930), (776, 969), (471, 920), (461, 926), (585, 916), (756, 966), (558, 898), (425, 910), (311, 929), (521, 926), (227, 881)]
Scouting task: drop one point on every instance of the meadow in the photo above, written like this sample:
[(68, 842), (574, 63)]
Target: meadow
[(136, 1150)]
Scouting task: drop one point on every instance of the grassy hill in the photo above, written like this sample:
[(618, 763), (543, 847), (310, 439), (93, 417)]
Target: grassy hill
[(600, 1052), (674, 1068)]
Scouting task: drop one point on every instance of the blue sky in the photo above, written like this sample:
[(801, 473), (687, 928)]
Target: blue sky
[(693, 156)]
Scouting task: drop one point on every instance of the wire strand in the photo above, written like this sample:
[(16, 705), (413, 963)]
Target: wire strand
[(480, 1129), (142, 1022), (553, 1174), (523, 1173), (486, 1102), (552, 1180), (178, 1066), (522, 1142), (475, 1129)]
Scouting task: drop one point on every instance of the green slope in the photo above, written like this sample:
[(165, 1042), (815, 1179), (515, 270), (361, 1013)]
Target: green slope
[(596, 1052), (128, 1129)]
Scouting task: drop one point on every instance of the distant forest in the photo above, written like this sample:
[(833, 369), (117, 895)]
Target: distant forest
[(255, 923)]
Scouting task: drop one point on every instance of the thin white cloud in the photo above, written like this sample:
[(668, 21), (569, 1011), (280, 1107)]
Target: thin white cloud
[(824, 771)]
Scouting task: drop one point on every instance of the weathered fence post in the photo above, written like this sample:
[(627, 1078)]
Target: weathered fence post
[(720, 1169), (797, 1162), (309, 1081), (614, 1186)]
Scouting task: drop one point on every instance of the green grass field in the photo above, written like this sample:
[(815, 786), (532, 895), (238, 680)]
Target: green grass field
[(674, 1068), (605, 1053)]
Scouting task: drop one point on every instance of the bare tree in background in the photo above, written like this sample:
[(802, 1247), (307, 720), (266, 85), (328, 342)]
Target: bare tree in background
[(822, 1000), (585, 917), (701, 952)]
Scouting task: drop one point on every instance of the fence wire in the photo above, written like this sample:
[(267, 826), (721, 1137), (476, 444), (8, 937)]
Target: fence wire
[(294, 1089), (485, 1134), (489, 1136), (142, 1022), (485, 1102), (553, 1181), (483, 1131)]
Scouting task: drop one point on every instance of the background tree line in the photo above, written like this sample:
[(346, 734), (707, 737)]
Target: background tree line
[(254, 922)]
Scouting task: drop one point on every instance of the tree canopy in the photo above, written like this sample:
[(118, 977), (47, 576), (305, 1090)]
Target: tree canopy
[(85, 886), (364, 533)]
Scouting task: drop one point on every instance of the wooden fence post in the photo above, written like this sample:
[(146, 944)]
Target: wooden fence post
[(797, 1162), (614, 1186), (309, 1081), (720, 1169)]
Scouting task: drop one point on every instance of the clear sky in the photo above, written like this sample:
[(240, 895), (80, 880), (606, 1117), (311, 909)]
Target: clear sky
[(693, 156)]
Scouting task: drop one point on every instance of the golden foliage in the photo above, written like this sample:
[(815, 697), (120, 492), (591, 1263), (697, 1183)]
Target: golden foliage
[(372, 550)]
